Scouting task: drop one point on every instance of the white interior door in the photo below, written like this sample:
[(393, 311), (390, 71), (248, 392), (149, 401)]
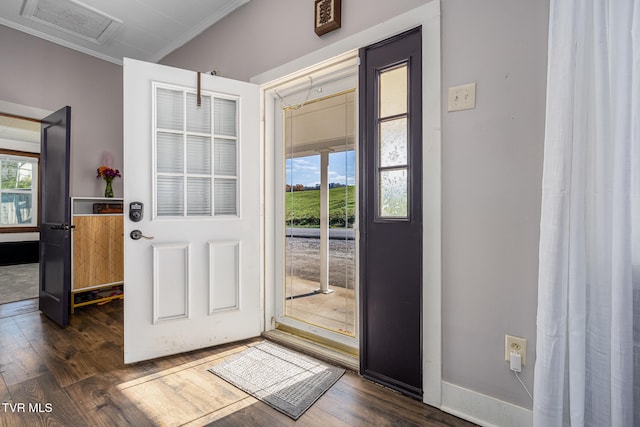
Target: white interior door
[(193, 281)]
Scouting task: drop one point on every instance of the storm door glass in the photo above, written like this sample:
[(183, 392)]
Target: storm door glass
[(320, 213)]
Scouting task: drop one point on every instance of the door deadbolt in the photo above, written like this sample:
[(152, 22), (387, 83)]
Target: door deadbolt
[(136, 211)]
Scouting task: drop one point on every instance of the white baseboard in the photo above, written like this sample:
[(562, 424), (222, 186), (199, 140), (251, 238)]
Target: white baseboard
[(482, 409)]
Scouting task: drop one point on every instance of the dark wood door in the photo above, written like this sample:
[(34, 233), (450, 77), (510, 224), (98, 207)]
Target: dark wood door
[(55, 230), (391, 212)]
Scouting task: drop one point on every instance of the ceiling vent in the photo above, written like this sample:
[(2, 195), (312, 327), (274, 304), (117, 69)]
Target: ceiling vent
[(72, 17)]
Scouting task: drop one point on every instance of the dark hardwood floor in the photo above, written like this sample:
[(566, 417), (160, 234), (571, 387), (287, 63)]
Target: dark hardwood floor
[(75, 377)]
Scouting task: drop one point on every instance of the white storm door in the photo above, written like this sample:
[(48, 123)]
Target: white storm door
[(193, 281)]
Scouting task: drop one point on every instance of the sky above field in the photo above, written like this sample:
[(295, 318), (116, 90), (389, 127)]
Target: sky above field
[(306, 170)]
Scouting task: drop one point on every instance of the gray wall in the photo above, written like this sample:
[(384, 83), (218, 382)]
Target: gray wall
[(491, 157), (265, 34), (492, 189), (41, 74)]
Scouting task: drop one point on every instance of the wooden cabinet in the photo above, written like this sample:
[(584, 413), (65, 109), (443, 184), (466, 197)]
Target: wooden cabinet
[(97, 251)]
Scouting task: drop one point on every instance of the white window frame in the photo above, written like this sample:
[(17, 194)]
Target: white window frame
[(34, 192)]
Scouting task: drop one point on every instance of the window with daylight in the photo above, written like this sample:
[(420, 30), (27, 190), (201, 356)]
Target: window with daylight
[(18, 190), (392, 145), (196, 154)]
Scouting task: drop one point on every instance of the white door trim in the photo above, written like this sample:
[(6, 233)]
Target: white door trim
[(427, 16)]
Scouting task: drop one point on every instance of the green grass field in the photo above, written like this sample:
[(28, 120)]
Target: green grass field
[(303, 207)]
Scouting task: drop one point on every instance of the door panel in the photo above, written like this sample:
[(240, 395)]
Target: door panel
[(196, 282), (55, 233), (391, 212)]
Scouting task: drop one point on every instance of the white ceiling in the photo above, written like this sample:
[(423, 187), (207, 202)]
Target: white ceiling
[(140, 29)]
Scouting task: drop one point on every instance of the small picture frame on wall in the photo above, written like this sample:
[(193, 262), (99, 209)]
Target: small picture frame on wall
[(328, 14)]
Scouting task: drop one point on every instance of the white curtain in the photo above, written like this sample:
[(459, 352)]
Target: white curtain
[(588, 363)]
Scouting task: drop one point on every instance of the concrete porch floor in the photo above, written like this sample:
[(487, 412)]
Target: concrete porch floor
[(335, 311)]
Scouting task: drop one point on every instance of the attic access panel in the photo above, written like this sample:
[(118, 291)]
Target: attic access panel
[(72, 17)]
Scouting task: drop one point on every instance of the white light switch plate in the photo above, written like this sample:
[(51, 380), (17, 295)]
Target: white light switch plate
[(462, 97)]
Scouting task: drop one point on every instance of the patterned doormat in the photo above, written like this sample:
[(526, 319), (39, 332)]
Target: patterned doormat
[(283, 379)]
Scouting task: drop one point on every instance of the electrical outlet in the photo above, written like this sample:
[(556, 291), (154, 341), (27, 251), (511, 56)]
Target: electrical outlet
[(519, 345)]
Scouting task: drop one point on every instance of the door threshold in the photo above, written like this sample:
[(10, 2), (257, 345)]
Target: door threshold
[(314, 349)]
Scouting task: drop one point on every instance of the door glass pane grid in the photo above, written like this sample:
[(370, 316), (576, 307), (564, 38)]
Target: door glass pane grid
[(170, 199), (225, 117), (225, 155), (393, 142), (191, 175), (198, 155), (169, 153), (169, 109), (393, 193), (393, 91), (198, 118), (225, 196), (393, 149), (198, 196)]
